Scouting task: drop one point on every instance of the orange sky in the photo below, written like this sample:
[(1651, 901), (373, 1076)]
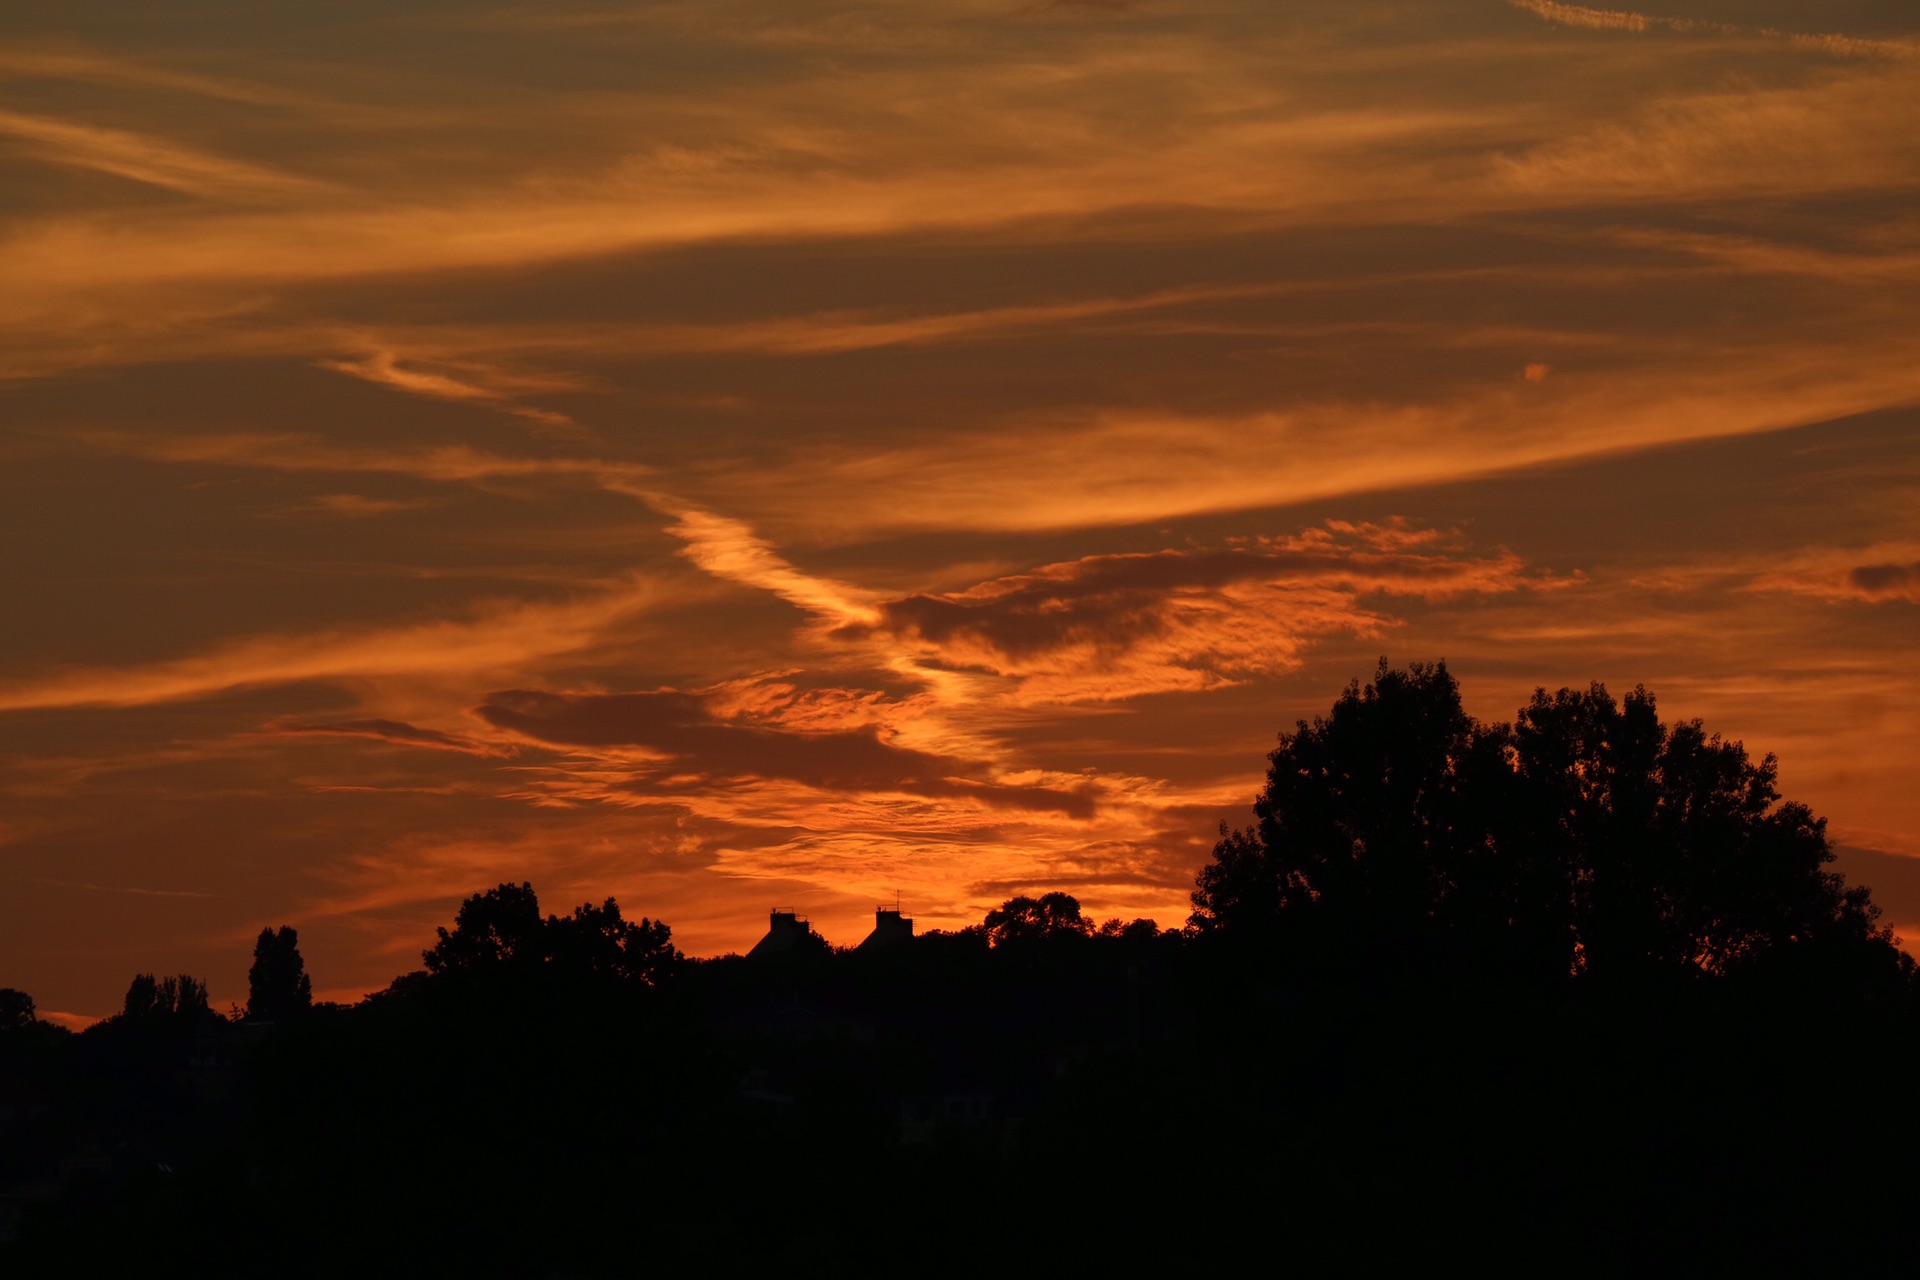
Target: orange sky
[(728, 455)]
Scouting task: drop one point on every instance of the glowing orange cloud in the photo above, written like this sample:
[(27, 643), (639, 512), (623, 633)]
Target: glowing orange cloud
[(1579, 15), (1883, 572), (503, 638), (1108, 627), (730, 549), (149, 160), (395, 732)]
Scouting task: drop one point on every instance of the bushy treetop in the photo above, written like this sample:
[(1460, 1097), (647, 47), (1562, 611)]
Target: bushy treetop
[(1585, 837), (502, 930)]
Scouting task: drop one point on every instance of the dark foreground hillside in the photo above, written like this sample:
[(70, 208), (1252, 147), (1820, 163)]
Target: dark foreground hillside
[(1575, 993)]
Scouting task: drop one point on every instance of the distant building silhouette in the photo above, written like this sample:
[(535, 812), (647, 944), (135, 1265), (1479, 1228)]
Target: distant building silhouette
[(890, 929), (785, 931), (789, 931)]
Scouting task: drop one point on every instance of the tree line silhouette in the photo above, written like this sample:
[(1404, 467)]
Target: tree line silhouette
[(1578, 990)]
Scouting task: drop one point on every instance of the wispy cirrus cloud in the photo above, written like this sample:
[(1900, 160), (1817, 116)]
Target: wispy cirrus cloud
[(296, 452), (1579, 15), (1729, 140), (89, 66), (396, 732), (730, 549), (147, 159), (502, 637), (467, 380), (1884, 573), (1128, 466), (352, 506), (844, 331), (133, 890)]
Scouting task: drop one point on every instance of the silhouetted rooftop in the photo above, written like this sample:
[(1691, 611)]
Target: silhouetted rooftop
[(890, 929), (785, 931)]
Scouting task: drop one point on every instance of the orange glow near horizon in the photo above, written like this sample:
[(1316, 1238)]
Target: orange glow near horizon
[(744, 454)]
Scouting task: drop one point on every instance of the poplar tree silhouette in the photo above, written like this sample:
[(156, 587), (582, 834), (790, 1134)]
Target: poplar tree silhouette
[(179, 1002), (277, 984)]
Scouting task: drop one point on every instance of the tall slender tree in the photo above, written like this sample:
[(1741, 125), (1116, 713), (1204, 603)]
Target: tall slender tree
[(277, 984)]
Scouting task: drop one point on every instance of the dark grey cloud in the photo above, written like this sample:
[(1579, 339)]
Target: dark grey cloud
[(1118, 601), (1887, 581), (680, 725)]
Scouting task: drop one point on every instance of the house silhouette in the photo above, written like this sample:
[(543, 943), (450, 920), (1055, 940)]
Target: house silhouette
[(785, 931), (890, 929)]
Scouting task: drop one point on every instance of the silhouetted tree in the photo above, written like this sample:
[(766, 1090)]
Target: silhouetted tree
[(17, 1010), (1139, 930), (502, 929), (1634, 843), (180, 1001), (1024, 919), (598, 940), (1586, 836), (1366, 821), (277, 984), (491, 928)]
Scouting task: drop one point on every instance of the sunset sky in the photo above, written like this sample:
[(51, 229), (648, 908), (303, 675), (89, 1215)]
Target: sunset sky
[(728, 455)]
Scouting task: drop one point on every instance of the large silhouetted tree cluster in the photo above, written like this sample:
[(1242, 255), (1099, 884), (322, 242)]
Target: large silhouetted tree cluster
[(165, 1002), (1586, 838), (502, 932), (1022, 919)]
